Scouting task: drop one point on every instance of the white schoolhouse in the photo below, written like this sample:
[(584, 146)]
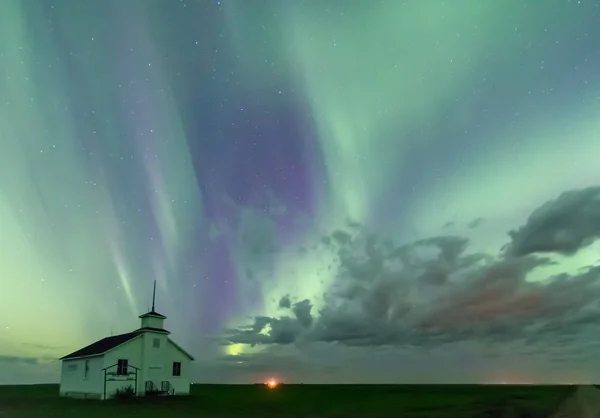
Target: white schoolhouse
[(146, 360)]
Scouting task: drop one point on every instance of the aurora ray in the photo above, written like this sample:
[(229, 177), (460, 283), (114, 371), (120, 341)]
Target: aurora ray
[(269, 164)]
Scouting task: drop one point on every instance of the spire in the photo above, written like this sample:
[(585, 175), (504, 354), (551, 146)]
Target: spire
[(153, 295), (153, 319)]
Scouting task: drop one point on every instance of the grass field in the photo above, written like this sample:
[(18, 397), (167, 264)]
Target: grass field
[(314, 401)]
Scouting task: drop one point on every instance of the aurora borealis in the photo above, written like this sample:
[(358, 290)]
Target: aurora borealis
[(324, 190)]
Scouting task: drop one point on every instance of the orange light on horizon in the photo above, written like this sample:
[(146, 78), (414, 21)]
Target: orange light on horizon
[(272, 383)]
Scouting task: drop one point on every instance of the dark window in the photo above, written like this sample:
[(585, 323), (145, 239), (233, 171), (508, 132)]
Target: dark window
[(86, 372), (122, 367), (176, 368), (156, 342)]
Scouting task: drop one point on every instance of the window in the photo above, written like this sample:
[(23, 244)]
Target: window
[(122, 367), (176, 368), (86, 370), (156, 342)]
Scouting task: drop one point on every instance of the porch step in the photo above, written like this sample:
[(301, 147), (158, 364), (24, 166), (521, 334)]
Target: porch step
[(157, 393)]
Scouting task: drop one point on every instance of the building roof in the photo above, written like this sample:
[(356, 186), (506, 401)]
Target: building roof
[(154, 314), (102, 346), (108, 343), (161, 330)]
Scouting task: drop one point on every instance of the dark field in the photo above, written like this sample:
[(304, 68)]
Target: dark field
[(312, 401)]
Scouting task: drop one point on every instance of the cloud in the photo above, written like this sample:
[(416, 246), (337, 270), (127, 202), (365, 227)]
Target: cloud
[(475, 223), (45, 347), (434, 291), (282, 330), (285, 302), (18, 369), (318, 363), (563, 225), (302, 312), (32, 361), (341, 237)]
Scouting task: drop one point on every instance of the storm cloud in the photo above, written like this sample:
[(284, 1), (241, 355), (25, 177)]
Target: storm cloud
[(434, 291), (563, 225)]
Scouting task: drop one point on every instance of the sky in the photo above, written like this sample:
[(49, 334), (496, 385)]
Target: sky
[(324, 190)]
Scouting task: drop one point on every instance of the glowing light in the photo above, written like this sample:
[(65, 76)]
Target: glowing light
[(234, 349), (272, 383)]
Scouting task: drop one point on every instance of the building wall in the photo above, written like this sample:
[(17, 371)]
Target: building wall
[(155, 363), (158, 362), (152, 322), (155, 358), (132, 352), (75, 382), (181, 383)]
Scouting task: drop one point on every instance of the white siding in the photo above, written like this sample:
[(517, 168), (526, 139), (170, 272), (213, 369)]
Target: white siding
[(74, 382), (152, 322), (155, 364), (158, 363), (181, 383), (132, 352)]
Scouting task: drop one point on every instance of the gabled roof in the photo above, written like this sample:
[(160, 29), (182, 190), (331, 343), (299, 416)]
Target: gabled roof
[(106, 344), (102, 346)]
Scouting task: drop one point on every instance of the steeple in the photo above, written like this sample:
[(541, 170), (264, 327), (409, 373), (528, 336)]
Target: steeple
[(153, 296), (153, 320)]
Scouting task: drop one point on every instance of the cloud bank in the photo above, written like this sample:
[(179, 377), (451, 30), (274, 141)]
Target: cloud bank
[(435, 291)]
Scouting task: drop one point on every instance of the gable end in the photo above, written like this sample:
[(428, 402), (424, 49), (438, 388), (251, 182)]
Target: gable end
[(181, 349)]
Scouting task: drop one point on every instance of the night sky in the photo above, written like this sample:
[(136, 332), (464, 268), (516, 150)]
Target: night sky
[(324, 191)]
